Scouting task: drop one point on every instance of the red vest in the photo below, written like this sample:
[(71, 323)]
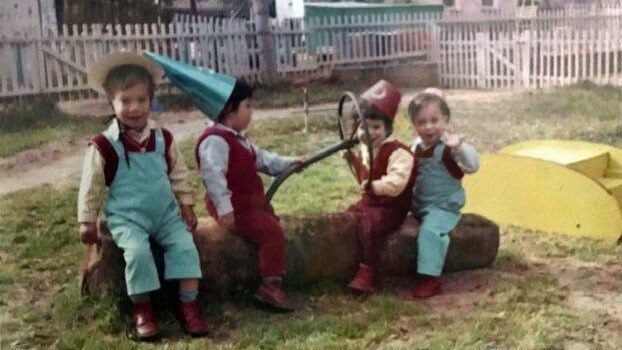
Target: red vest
[(381, 162), (242, 179)]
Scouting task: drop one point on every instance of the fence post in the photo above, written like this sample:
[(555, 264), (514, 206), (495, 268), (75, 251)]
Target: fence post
[(481, 38), (525, 54), (267, 54)]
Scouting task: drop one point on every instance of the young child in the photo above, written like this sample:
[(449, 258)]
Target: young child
[(135, 171), (229, 163), (442, 160), (387, 198)]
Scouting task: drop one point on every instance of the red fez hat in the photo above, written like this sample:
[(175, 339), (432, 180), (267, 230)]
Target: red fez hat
[(383, 96)]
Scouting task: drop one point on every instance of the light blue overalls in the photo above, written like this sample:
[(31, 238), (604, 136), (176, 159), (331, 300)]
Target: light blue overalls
[(438, 198), (141, 205)]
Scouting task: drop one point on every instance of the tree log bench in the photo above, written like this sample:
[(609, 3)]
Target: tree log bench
[(319, 247)]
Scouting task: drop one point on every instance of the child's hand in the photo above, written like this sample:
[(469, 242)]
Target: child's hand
[(189, 217), (88, 233), (297, 162), (364, 187), (227, 221), (452, 141)]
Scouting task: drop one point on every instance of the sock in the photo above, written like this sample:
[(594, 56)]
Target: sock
[(187, 296), (140, 298)]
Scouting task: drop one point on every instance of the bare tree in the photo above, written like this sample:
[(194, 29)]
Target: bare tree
[(266, 41)]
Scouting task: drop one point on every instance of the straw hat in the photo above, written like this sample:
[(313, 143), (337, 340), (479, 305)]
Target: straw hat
[(99, 72)]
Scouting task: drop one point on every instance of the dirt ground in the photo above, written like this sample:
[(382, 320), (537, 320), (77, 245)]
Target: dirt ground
[(60, 163)]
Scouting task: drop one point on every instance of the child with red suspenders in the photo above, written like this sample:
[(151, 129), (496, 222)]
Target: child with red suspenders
[(387, 191), (136, 173), (443, 158)]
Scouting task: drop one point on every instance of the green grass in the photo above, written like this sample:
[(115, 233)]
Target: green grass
[(525, 301), (30, 126)]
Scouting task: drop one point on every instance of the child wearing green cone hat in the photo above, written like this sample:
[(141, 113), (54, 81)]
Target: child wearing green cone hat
[(136, 173), (229, 162)]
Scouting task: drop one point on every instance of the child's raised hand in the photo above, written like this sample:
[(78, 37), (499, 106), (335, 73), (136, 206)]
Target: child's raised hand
[(452, 141), (88, 233), (189, 217), (227, 221)]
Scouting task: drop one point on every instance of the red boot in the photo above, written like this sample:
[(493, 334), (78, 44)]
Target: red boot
[(191, 318), (144, 320), (271, 294), (363, 280), (427, 287)]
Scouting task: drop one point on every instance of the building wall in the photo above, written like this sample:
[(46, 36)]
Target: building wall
[(19, 19), (289, 9), (475, 6)]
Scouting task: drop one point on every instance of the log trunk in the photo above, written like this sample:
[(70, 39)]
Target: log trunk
[(320, 246)]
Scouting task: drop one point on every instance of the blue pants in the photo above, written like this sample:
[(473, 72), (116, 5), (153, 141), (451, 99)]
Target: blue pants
[(433, 239), (181, 258)]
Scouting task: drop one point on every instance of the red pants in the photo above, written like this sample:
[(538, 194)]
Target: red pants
[(375, 225), (262, 228)]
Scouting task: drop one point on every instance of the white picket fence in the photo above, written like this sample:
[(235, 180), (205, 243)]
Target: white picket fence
[(552, 49), (58, 64), (555, 48)]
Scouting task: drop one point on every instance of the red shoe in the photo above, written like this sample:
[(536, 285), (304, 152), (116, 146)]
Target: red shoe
[(144, 320), (363, 280), (271, 294), (427, 287), (191, 318)]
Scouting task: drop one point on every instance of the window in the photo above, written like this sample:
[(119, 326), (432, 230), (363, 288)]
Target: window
[(449, 3), (489, 3)]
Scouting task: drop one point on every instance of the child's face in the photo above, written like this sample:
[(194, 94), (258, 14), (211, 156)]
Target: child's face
[(241, 117), (377, 132), (430, 124), (132, 106)]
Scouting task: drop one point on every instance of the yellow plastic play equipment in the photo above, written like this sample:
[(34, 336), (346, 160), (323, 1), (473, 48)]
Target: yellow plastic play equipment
[(568, 187)]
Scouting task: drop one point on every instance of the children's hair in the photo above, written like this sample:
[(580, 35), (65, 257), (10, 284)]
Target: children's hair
[(127, 76), (241, 91), (370, 112), (426, 98)]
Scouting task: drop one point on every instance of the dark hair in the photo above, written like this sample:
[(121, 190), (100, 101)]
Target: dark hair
[(241, 91), (371, 112), (127, 76), (423, 100)]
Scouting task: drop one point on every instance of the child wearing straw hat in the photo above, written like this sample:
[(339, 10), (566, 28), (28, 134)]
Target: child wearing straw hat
[(229, 164), (135, 171)]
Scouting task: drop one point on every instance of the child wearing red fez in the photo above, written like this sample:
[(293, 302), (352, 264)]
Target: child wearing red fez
[(387, 191)]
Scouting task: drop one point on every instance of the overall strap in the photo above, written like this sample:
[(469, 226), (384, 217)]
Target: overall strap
[(450, 163)]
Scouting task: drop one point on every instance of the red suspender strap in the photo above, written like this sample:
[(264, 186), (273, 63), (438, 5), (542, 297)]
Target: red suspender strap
[(168, 140), (105, 149), (451, 165)]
